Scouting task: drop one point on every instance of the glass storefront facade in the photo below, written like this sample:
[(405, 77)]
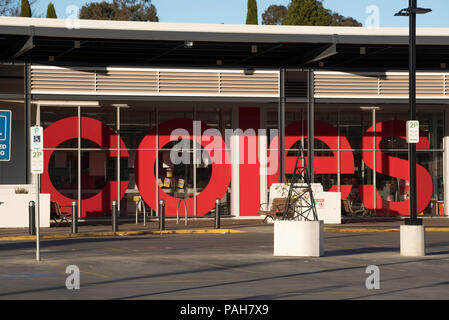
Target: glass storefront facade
[(347, 157), (124, 150), (356, 151), (145, 132)]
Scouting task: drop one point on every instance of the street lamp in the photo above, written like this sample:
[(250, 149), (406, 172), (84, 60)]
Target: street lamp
[(406, 12), (411, 12)]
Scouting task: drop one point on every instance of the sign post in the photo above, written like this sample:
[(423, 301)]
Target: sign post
[(5, 135), (413, 131), (37, 168)]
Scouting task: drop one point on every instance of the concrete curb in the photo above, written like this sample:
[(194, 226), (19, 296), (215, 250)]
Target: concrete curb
[(337, 229), (191, 231), (120, 234)]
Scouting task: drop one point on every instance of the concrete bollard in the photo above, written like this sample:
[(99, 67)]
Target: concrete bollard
[(413, 239), (299, 238)]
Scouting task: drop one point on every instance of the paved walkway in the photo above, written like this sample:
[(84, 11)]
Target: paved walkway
[(101, 227)]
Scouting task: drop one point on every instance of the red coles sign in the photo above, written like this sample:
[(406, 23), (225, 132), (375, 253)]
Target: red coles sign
[(385, 164), (144, 167)]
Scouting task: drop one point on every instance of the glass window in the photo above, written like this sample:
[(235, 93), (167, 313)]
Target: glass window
[(176, 179), (64, 120), (136, 122), (353, 125), (63, 172)]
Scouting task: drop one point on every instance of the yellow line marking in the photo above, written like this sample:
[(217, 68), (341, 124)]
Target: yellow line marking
[(194, 231), (338, 229), (82, 271), (121, 233), (437, 229)]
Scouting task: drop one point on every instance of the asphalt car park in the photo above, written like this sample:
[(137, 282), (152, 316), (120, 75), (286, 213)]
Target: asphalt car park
[(228, 266)]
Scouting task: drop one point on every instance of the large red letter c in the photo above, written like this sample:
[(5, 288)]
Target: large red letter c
[(103, 136)]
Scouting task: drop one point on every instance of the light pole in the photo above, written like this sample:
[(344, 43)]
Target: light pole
[(411, 12)]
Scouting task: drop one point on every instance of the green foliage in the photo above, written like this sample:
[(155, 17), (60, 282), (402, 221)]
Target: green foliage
[(339, 20), (25, 9), (51, 12), (251, 16), (6, 7), (124, 10), (307, 13), (274, 15), (312, 13), (98, 11)]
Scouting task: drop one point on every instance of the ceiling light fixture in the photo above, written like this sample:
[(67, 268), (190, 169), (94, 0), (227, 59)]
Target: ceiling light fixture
[(188, 44)]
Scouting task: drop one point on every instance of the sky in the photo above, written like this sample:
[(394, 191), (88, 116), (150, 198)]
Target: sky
[(368, 12)]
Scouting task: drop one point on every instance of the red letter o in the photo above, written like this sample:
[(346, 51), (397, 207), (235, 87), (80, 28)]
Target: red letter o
[(147, 182)]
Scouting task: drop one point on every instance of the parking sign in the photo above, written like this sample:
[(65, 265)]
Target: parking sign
[(37, 150), (5, 135), (412, 131)]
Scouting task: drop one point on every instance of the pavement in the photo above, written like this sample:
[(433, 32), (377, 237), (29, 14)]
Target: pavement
[(128, 227), (223, 267)]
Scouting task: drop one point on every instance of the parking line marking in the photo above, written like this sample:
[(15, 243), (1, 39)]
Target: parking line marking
[(82, 271), (211, 264)]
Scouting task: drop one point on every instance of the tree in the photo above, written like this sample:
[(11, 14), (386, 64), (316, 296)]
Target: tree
[(307, 13), (124, 10), (51, 12), (7, 7), (98, 11), (312, 13), (14, 8), (339, 20), (25, 9), (251, 15), (136, 10), (274, 15)]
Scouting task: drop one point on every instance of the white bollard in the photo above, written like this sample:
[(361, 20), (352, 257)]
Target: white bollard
[(413, 241), (299, 238)]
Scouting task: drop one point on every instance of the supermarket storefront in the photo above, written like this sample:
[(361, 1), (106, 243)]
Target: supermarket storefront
[(345, 155), (202, 133)]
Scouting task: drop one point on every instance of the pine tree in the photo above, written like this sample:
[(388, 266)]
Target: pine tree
[(307, 13), (25, 9), (251, 16), (51, 12)]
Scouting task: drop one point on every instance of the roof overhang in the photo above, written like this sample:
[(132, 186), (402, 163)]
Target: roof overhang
[(156, 43)]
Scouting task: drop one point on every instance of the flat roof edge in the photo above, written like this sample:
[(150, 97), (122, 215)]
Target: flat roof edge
[(215, 32)]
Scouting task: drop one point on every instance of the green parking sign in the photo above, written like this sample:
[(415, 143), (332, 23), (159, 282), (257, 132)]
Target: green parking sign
[(412, 131)]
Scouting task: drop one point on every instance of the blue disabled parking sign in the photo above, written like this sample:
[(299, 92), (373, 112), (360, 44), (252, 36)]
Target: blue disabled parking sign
[(5, 135)]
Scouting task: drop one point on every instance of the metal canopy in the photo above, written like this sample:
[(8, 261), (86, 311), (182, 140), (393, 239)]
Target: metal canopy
[(212, 54), (49, 41)]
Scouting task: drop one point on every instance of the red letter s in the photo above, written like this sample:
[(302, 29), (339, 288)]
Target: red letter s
[(394, 167)]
